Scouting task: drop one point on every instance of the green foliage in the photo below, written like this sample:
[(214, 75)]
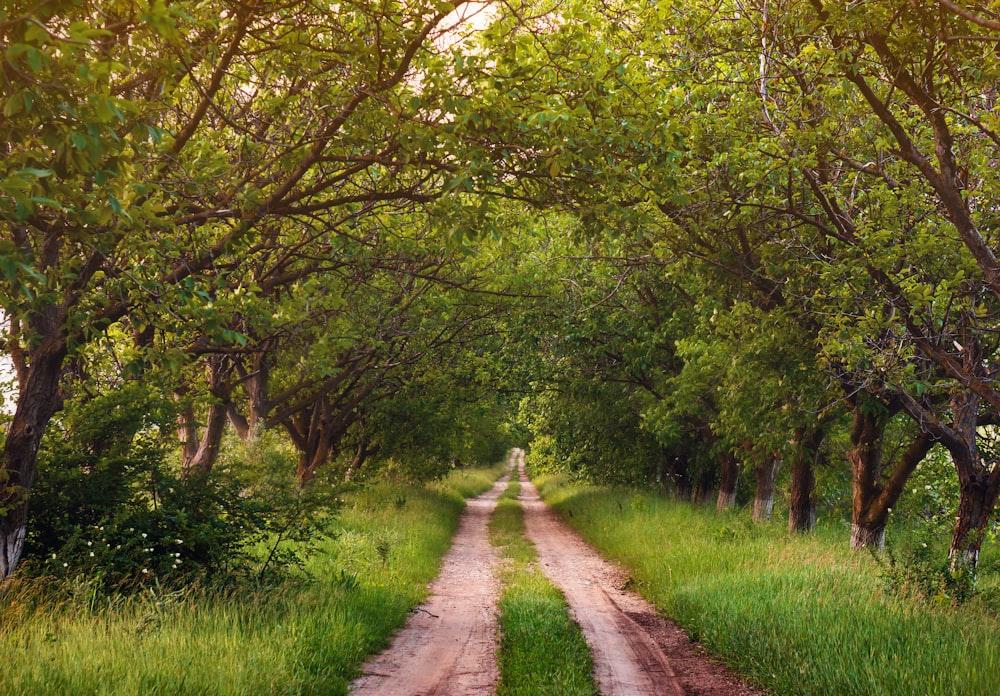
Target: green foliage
[(108, 506), (917, 566), (797, 615)]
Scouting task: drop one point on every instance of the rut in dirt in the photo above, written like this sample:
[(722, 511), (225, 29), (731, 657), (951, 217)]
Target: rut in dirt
[(636, 651), (448, 645), (627, 661)]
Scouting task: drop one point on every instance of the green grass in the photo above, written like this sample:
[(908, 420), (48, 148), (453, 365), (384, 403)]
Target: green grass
[(798, 615), (307, 636), (542, 651)]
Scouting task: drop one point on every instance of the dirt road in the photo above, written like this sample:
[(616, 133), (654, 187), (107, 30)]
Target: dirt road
[(636, 651), (448, 646)]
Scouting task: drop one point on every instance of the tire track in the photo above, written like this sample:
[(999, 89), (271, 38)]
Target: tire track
[(448, 645)]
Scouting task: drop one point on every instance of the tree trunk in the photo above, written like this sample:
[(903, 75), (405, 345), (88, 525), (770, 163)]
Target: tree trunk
[(704, 484), (977, 499), (801, 506), (38, 400), (869, 535), (310, 460), (204, 457), (729, 475), (978, 481), (678, 473), (362, 452), (187, 430), (201, 459), (763, 502), (872, 499), (256, 387), (240, 424)]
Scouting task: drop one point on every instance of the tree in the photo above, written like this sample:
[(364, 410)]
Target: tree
[(148, 153)]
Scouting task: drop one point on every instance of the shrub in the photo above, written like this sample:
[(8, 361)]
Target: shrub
[(107, 505)]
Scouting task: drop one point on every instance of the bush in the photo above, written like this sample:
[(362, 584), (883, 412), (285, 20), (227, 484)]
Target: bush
[(918, 567), (106, 504)]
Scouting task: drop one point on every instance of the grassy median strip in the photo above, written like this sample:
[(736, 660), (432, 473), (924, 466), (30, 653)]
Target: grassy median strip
[(798, 614), (542, 651), (304, 636)]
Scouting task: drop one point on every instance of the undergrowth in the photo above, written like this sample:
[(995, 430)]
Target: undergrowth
[(301, 635), (542, 651), (796, 614)]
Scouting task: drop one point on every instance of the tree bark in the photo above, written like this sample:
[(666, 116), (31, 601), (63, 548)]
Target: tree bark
[(38, 400), (801, 505), (201, 458), (978, 480), (679, 474), (977, 500), (763, 503), (704, 483), (872, 499), (729, 475)]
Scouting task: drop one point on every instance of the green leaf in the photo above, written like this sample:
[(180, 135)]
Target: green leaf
[(35, 172)]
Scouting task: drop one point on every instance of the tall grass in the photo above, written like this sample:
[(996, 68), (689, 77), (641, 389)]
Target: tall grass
[(542, 651), (796, 614), (307, 636)]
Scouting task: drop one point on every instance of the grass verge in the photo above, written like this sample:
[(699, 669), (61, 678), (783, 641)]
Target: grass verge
[(307, 636), (542, 651), (797, 615)]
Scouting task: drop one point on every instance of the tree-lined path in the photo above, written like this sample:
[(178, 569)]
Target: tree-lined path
[(448, 647)]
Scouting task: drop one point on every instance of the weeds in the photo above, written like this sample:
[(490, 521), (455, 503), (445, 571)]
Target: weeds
[(797, 614), (306, 634), (542, 652)]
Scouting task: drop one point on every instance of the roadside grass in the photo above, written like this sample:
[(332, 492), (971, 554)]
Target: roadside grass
[(795, 614), (303, 636), (542, 651)]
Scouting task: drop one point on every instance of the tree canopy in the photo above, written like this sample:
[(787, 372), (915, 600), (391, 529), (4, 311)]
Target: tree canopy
[(662, 242)]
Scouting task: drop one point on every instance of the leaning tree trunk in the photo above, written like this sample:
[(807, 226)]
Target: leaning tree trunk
[(38, 400), (978, 493), (763, 502), (729, 475)]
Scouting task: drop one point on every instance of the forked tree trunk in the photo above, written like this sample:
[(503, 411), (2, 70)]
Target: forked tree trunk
[(873, 498), (200, 454), (978, 481), (801, 505), (763, 502), (729, 476), (203, 458), (310, 460)]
